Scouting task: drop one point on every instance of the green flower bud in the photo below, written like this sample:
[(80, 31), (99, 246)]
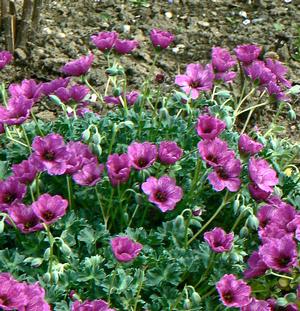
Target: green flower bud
[(97, 138), (187, 304), (244, 232), (86, 134), (196, 299)]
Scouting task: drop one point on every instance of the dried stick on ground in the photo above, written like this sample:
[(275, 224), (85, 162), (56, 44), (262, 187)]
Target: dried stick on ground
[(24, 25)]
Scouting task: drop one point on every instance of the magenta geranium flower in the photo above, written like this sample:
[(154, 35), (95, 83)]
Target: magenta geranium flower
[(280, 254), (91, 305), (142, 155), (279, 70), (50, 154), (105, 40), (257, 266), (257, 71), (227, 77), (209, 127), (160, 38), (233, 292), (36, 298), (226, 175), (258, 194), (49, 88), (79, 66), (5, 58), (257, 305), (218, 240), (125, 46), (11, 192), (221, 59), (50, 208), (17, 110), (28, 88), (125, 249), (248, 145), (214, 151), (276, 91), (196, 79), (265, 215), (89, 175), (25, 172), (169, 152), (24, 218), (247, 53), (132, 97), (12, 293), (75, 93), (118, 168), (163, 192), (115, 100), (262, 174)]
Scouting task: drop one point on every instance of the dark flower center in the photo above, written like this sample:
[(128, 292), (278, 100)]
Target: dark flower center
[(49, 156), (48, 215), (160, 196), (195, 84), (228, 297), (222, 173), (206, 130), (142, 162), (284, 261), (4, 301), (9, 198), (29, 224), (212, 158)]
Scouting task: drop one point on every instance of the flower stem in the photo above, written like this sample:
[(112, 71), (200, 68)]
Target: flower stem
[(281, 275), (139, 290), (69, 185), (37, 124), (112, 282), (235, 113), (51, 242), (224, 202), (209, 266), (105, 219), (26, 138)]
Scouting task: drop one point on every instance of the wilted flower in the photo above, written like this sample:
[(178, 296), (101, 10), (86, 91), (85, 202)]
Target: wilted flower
[(89, 175), (226, 175), (257, 305), (209, 127), (125, 249), (222, 61), (196, 79), (88, 305), (12, 293), (50, 208), (24, 218), (279, 254), (115, 100), (257, 266), (28, 88), (17, 110), (5, 58), (218, 240), (233, 292), (50, 87), (169, 152), (125, 46), (36, 299), (105, 40), (214, 152), (160, 38), (163, 192), (25, 172), (142, 155), (276, 91), (160, 78), (248, 145), (262, 174), (50, 154), (79, 66), (279, 70), (247, 53), (11, 192), (132, 97), (118, 168)]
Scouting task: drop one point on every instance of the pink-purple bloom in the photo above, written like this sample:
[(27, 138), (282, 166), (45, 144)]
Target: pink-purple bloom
[(280, 254), (79, 66), (262, 174), (125, 249), (249, 146), (257, 305), (28, 88), (5, 58), (169, 152), (89, 175), (233, 292), (91, 305), (163, 192), (247, 53), (125, 46), (25, 172), (105, 40), (24, 218), (118, 168), (160, 38), (49, 88), (142, 155), (258, 71), (279, 70), (257, 266), (75, 93), (11, 192), (50, 154), (50, 208), (257, 193), (226, 175), (36, 298), (196, 79), (209, 127), (17, 110), (222, 61), (218, 240)]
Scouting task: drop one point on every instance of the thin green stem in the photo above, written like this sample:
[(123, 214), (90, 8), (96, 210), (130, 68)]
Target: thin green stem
[(224, 202), (209, 266), (51, 242), (69, 186), (134, 212), (37, 124), (241, 215), (281, 275), (112, 283), (255, 106), (26, 138), (139, 290), (105, 219), (93, 89), (235, 113)]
